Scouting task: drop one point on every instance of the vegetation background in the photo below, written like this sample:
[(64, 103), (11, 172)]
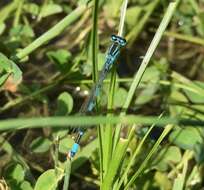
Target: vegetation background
[(50, 55)]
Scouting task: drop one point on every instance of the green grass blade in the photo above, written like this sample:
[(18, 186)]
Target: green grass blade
[(107, 137), (90, 121), (67, 174), (108, 131), (136, 152), (94, 53), (122, 18), (179, 182), (114, 164), (7, 10), (162, 27), (132, 35), (145, 162), (52, 33), (18, 13), (94, 40), (138, 76), (185, 37)]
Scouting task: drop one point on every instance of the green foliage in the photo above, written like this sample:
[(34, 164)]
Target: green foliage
[(48, 180), (7, 68), (61, 58), (15, 176), (181, 137), (50, 9), (51, 53), (166, 157), (64, 104), (40, 145)]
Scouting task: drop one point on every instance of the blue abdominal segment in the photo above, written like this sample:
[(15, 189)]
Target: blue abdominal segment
[(74, 149)]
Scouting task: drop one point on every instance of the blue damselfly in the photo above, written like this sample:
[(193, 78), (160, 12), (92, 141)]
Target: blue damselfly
[(88, 106)]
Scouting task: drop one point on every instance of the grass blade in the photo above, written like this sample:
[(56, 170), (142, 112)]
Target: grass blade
[(52, 33), (137, 151), (138, 76), (89, 121), (160, 31), (114, 163), (67, 174), (108, 131), (145, 162)]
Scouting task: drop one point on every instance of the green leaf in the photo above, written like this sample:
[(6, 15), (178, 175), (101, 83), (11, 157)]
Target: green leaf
[(61, 58), (31, 8), (146, 95), (166, 157), (48, 180), (15, 172), (51, 9), (59, 133), (178, 96), (112, 8), (65, 145), (151, 74), (5, 63), (186, 138), (199, 153), (194, 176), (132, 15), (40, 145), (22, 31), (195, 97), (178, 183), (3, 79), (25, 185), (200, 23), (2, 28), (64, 104), (115, 163), (17, 73), (8, 66), (120, 97), (163, 181)]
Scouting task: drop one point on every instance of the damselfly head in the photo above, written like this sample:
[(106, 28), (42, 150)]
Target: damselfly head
[(121, 41)]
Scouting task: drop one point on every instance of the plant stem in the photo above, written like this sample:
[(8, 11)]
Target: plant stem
[(185, 37), (89, 121), (52, 33), (138, 76), (145, 162), (122, 18), (108, 131), (133, 158), (67, 174), (7, 10), (160, 31), (18, 13), (132, 35), (95, 41)]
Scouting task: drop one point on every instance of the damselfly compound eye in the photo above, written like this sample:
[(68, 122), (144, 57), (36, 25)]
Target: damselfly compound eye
[(119, 40)]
